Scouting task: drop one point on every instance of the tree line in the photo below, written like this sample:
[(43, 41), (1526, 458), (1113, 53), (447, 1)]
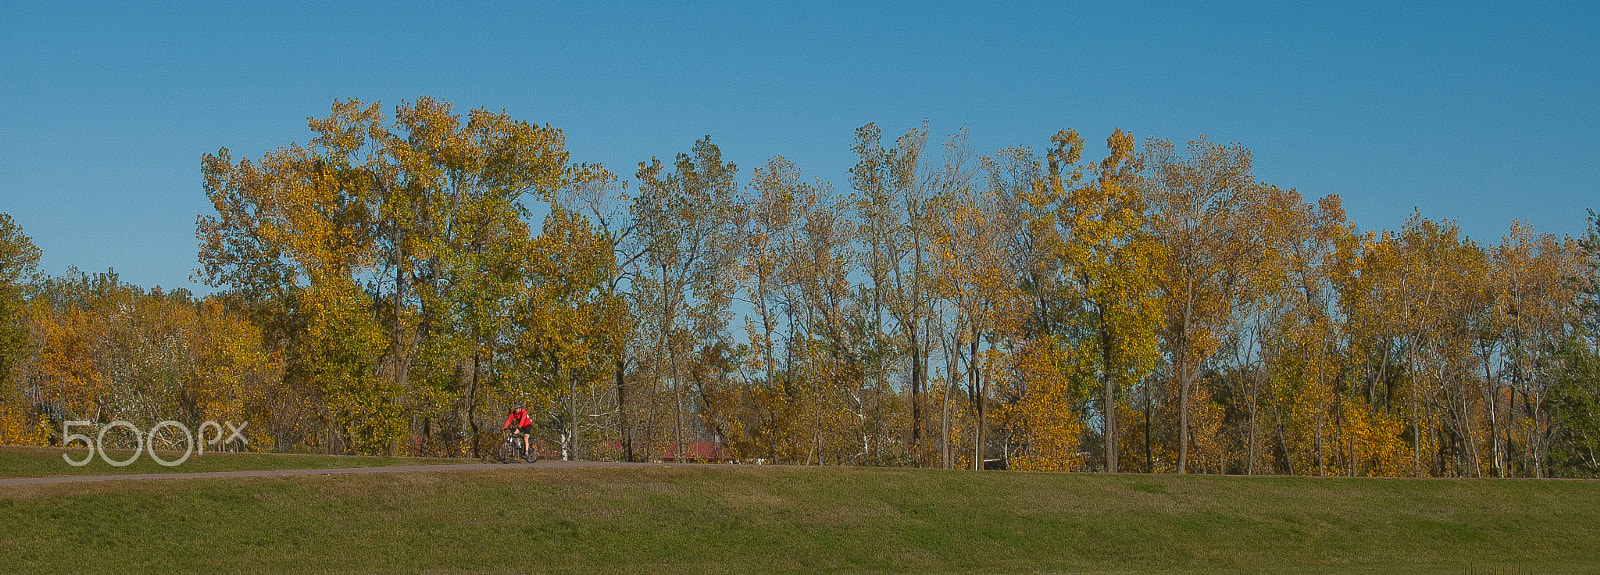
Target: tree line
[(396, 283)]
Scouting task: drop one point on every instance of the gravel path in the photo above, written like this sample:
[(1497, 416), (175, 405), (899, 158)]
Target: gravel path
[(328, 471)]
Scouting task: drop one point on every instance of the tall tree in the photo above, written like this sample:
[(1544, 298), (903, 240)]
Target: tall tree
[(309, 209), (19, 266), (1108, 265), (565, 317), (429, 210), (1536, 298), (603, 198), (896, 203), (1200, 211), (1575, 402), (688, 218), (19, 261)]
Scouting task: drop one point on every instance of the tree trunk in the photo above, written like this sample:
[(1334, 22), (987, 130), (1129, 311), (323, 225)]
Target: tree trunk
[(974, 378), (1250, 464), (1322, 470), (1322, 355), (572, 413), (677, 407), (1109, 400), (1110, 417), (1494, 417), (916, 394), (952, 350), (472, 405), (1149, 455), (1416, 434), (622, 413), (1283, 444), (1470, 442), (1183, 380), (401, 367)]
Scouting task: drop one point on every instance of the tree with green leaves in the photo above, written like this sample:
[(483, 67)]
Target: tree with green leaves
[(1107, 268), (19, 265), (419, 225), (1574, 446), (563, 320)]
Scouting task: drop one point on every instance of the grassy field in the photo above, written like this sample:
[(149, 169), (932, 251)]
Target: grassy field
[(740, 519), (46, 461)]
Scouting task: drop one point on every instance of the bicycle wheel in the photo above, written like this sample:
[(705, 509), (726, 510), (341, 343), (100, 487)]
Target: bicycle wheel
[(507, 453)]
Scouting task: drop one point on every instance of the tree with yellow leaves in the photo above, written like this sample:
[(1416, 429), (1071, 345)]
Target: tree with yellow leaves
[(19, 264), (431, 203), (1200, 202), (896, 203), (1535, 299), (110, 351), (688, 217), (562, 338), (1106, 270)]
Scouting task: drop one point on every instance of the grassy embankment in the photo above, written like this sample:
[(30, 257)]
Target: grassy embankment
[(736, 519), (47, 461)]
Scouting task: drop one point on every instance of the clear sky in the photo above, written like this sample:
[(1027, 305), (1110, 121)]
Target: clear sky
[(1483, 113)]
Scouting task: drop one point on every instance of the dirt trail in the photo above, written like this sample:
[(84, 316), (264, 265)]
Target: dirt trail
[(327, 471)]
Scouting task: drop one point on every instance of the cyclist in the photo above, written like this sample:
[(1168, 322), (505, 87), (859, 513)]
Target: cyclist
[(523, 425)]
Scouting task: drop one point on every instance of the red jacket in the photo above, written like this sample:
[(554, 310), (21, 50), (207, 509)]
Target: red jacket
[(518, 418)]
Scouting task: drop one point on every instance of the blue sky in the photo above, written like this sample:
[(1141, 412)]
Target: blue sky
[(1477, 112)]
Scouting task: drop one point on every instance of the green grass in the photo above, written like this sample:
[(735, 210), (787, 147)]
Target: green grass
[(47, 461), (737, 519)]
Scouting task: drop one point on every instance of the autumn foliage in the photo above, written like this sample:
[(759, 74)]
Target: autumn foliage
[(399, 281)]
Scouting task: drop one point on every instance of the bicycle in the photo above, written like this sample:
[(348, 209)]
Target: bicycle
[(512, 449)]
